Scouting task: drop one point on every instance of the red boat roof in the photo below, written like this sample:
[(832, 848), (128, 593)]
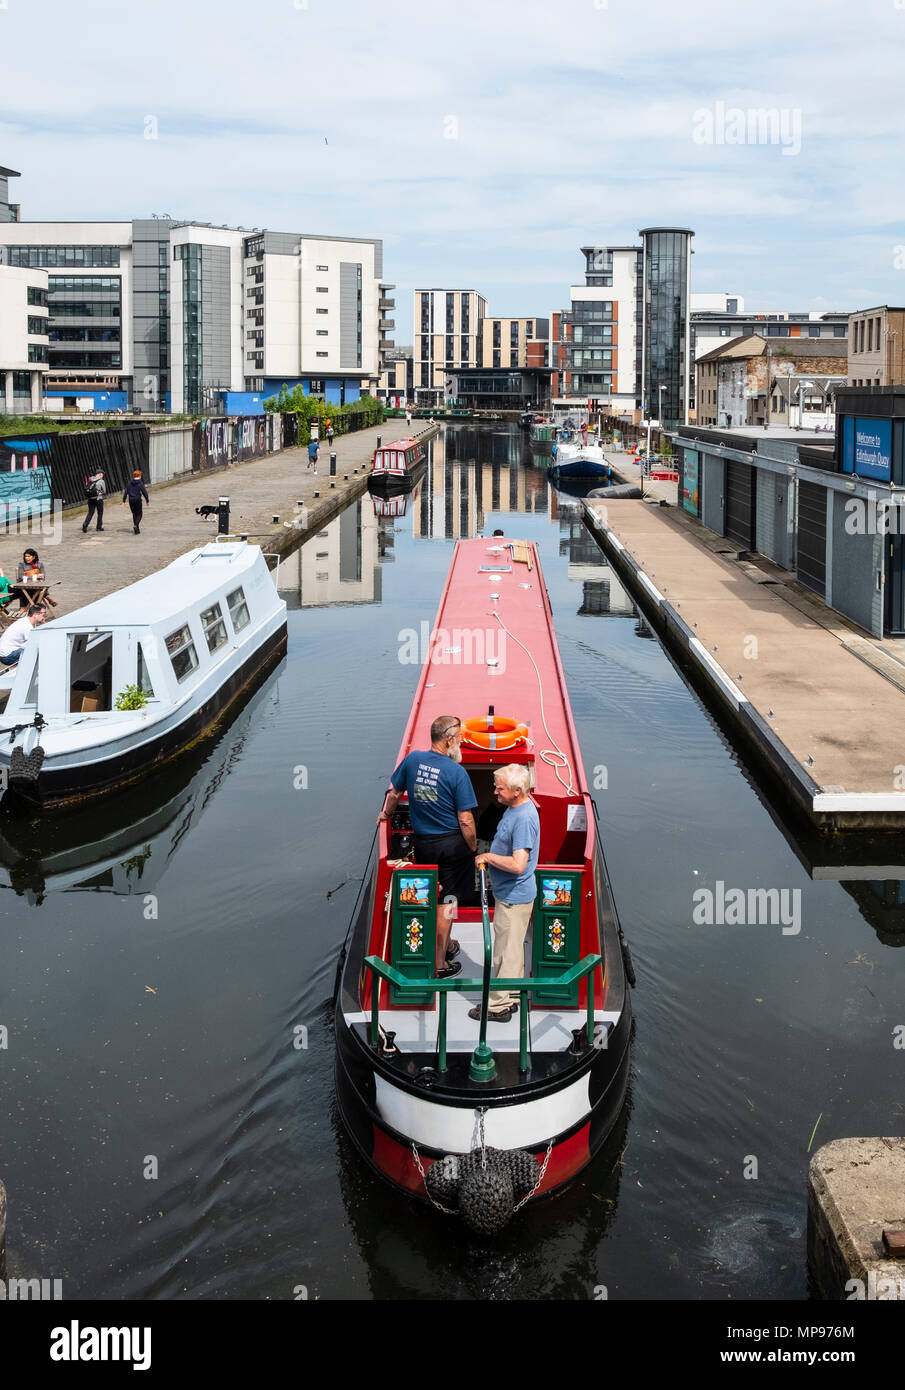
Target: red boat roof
[(474, 661)]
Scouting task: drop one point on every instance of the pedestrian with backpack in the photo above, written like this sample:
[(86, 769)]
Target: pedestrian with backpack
[(134, 492), (95, 492)]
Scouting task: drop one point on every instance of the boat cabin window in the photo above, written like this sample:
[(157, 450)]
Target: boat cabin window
[(143, 675), (238, 609), (214, 627), (90, 672), (181, 651), (31, 699)]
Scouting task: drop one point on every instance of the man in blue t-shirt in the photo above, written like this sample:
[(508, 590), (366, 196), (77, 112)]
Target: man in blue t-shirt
[(441, 803), (512, 859)]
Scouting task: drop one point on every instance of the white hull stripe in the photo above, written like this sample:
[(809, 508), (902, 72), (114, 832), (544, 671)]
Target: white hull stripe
[(454, 1130)]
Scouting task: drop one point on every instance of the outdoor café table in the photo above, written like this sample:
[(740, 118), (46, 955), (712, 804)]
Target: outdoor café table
[(35, 592)]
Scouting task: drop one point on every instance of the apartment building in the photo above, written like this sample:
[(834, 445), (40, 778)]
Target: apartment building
[(449, 334), (518, 342), (876, 347), (157, 315), (23, 339), (9, 212), (397, 379)]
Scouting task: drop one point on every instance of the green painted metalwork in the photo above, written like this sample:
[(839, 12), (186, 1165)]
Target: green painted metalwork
[(414, 930), (441, 1034), (483, 1067), (557, 932), (405, 988)]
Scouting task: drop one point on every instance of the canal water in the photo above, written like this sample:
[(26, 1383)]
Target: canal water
[(167, 1123)]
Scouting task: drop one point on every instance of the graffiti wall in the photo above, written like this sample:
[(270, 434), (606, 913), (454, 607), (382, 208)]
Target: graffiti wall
[(215, 438), (24, 476), (251, 436)]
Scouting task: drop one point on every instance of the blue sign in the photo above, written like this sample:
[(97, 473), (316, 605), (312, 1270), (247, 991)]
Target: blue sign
[(691, 495), (867, 448)]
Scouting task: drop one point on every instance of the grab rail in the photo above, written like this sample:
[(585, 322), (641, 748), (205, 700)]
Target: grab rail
[(520, 985), (483, 1067)]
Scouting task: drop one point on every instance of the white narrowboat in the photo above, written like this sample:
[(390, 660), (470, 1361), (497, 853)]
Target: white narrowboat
[(189, 638)]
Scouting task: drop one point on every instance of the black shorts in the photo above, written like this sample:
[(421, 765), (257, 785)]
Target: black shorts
[(455, 864)]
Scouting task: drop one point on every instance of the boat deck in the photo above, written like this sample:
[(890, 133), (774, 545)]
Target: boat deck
[(549, 1030)]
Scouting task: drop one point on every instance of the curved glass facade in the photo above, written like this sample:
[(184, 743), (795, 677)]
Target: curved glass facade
[(666, 343)]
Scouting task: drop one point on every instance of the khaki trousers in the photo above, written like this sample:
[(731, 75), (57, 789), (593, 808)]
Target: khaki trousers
[(510, 927)]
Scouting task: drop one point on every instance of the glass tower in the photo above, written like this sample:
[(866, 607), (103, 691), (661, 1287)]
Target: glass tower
[(666, 351)]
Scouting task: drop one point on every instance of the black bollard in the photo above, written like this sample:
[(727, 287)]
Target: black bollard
[(378, 441), (223, 517), (332, 465)]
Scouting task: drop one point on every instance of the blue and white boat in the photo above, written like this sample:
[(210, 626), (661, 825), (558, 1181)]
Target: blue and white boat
[(573, 459), (190, 638)]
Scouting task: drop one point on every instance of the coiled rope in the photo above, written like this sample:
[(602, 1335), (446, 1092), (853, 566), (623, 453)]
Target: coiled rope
[(546, 755)]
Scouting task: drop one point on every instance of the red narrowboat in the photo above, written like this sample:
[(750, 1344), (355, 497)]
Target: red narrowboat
[(478, 1117), (395, 466)]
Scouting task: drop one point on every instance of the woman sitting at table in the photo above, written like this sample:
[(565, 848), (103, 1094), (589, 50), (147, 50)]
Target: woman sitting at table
[(31, 571)]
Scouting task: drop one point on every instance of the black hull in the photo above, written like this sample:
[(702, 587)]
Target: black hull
[(70, 786)]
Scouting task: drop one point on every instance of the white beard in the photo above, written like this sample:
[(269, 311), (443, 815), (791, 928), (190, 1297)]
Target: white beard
[(455, 754)]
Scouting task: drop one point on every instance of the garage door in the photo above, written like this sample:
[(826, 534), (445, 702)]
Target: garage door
[(812, 536), (741, 507)]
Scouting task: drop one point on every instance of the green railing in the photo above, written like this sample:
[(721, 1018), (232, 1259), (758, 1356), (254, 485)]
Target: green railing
[(483, 1066)]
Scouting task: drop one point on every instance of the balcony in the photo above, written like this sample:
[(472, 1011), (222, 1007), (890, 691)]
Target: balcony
[(387, 323), (386, 304)]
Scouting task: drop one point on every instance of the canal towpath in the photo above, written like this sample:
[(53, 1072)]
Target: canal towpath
[(93, 564)]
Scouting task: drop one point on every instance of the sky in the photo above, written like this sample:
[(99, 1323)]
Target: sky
[(484, 141)]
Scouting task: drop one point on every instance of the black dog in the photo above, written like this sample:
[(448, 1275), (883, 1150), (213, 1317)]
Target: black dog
[(207, 511)]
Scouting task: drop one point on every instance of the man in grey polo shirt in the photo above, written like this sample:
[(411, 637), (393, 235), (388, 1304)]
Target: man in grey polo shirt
[(511, 859)]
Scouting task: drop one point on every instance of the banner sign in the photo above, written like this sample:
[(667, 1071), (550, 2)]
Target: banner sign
[(24, 476), (691, 496)]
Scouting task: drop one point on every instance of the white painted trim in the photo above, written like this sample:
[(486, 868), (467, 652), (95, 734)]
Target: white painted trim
[(860, 801), (731, 689), (453, 1129), (651, 588)]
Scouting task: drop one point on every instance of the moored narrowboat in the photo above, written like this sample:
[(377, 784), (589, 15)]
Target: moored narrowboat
[(115, 688), (396, 466), (478, 1117)]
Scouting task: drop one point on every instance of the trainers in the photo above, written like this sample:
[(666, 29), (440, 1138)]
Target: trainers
[(493, 1015)]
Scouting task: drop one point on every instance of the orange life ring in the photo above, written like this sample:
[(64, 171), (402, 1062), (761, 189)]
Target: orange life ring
[(494, 731)]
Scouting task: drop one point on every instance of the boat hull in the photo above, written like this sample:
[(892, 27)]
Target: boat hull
[(584, 469), (67, 783), (575, 1115), (384, 483)]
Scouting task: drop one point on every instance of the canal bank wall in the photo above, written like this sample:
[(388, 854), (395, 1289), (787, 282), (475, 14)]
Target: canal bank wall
[(856, 1219), (85, 566), (809, 698)]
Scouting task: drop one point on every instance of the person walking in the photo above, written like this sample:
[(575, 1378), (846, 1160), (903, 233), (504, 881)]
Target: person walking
[(134, 492), (329, 435), (95, 492), (312, 455), (408, 417)]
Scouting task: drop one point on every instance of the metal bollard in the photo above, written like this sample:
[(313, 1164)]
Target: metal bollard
[(223, 517), (332, 465), (378, 441)]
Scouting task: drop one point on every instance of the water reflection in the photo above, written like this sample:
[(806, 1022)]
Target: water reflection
[(340, 564), (117, 844)]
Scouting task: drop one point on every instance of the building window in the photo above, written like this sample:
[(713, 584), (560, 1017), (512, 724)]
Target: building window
[(322, 311), (496, 360), (870, 335), (513, 334), (450, 315), (322, 267), (497, 330), (513, 357), (315, 388), (36, 325), (322, 332), (839, 330), (450, 350), (322, 289), (37, 352), (37, 297), (61, 256), (322, 354)]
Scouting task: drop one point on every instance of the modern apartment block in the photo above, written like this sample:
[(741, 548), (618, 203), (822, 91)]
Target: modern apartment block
[(397, 378), (624, 340), (449, 334), (595, 346), (519, 342), (23, 339), (157, 315), (876, 347), (9, 212)]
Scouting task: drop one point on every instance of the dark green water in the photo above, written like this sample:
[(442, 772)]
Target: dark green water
[(157, 956)]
